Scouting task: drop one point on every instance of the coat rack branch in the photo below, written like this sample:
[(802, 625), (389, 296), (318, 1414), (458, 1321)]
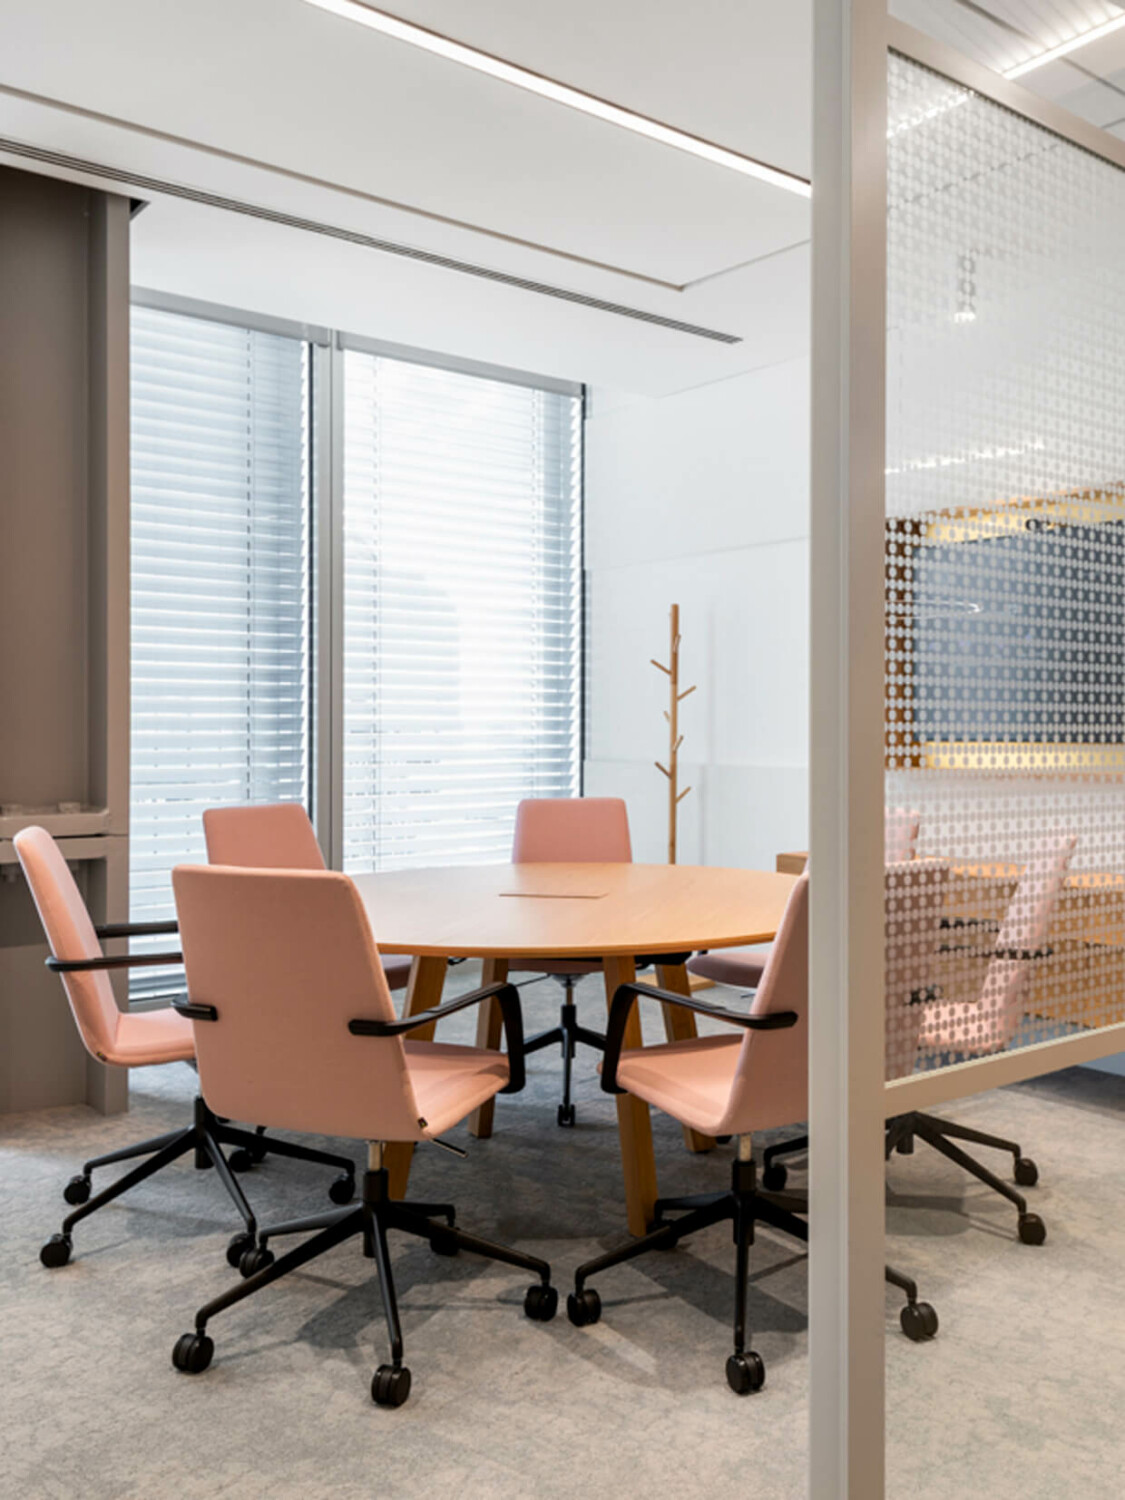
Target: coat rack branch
[(675, 738)]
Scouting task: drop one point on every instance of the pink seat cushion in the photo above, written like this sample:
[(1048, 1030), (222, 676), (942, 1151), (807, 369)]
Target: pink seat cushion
[(396, 966), (690, 1080), (740, 967), (450, 1081), (153, 1036)]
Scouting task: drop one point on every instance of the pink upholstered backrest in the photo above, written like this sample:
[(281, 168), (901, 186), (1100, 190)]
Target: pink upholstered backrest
[(771, 1081), (900, 834), (572, 830), (914, 900), (287, 958), (1036, 896), (1024, 930), (267, 836), (70, 935)]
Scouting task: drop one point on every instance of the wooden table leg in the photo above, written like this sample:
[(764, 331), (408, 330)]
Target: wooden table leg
[(490, 1028), (634, 1126), (679, 1025), (427, 979)]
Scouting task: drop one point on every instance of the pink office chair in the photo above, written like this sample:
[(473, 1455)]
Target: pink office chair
[(900, 834), (986, 1025), (729, 1085), (914, 897), (742, 968), (294, 1026), (569, 830), (277, 836), (130, 1040)]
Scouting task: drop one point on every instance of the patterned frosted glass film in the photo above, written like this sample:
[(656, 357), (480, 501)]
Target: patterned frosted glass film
[(1005, 575)]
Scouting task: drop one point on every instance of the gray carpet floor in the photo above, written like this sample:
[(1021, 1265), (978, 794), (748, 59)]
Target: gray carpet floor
[(1020, 1395)]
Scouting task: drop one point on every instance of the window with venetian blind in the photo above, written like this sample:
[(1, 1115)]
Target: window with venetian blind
[(220, 587), (462, 609)]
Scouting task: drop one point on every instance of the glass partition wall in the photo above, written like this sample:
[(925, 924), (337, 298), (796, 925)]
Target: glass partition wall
[(1005, 562), (1005, 745), (995, 523)]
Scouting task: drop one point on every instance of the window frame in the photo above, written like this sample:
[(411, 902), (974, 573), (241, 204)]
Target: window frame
[(325, 581)]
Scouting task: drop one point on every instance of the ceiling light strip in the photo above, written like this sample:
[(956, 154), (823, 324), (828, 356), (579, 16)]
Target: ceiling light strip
[(344, 188), (1041, 59), (351, 236), (562, 93)]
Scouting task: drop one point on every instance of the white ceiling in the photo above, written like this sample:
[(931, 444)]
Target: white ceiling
[(1090, 82), (278, 105), (237, 96), (733, 71)]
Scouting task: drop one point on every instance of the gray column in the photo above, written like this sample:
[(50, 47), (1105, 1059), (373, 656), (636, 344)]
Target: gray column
[(64, 601)]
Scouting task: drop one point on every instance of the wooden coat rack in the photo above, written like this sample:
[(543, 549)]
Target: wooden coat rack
[(675, 738)]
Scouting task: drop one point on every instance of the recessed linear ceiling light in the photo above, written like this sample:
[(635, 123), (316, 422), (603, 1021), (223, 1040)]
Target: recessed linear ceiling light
[(561, 93), (1081, 40)]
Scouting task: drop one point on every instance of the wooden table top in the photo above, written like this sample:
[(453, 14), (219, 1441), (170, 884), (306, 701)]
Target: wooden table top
[(572, 910)]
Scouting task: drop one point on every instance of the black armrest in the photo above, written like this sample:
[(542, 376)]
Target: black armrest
[(622, 1004), (137, 929), (193, 1011), (120, 961), (508, 998), (925, 996), (1022, 955)]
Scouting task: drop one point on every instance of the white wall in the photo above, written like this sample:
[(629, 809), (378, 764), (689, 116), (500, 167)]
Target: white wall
[(701, 499)]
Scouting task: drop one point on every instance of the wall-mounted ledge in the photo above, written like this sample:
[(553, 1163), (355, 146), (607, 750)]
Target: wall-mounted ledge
[(87, 822)]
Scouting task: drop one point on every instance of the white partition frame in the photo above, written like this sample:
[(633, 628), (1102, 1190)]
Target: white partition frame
[(846, 1311), (849, 1099)]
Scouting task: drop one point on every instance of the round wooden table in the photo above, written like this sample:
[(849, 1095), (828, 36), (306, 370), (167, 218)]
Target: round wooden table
[(611, 913)]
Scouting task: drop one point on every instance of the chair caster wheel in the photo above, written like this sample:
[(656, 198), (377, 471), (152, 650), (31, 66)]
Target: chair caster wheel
[(77, 1190), (255, 1260), (1026, 1172), (343, 1189), (584, 1308), (1032, 1229), (567, 1114), (56, 1252), (442, 1242), (745, 1373), (192, 1353), (541, 1303), (241, 1160), (238, 1246), (919, 1321), (390, 1386), (774, 1177)]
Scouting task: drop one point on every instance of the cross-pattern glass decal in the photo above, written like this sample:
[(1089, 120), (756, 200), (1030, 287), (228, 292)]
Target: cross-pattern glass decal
[(1005, 579)]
